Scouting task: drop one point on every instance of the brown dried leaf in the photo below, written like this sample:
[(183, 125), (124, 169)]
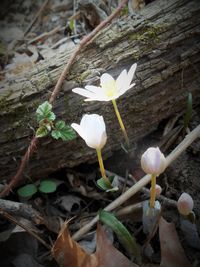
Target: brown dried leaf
[(68, 253), (172, 253)]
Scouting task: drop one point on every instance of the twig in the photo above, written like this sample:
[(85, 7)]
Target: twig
[(13, 220), (129, 209), (36, 17), (22, 210), (84, 42), (57, 89), (191, 137), (45, 35), (17, 177)]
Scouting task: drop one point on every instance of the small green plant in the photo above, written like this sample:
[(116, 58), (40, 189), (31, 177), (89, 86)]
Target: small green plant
[(188, 113), (46, 119), (46, 186), (125, 238)]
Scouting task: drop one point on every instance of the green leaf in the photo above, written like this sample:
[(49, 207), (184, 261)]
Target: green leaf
[(27, 191), (188, 113), (106, 187), (63, 131), (42, 131), (44, 111), (56, 134), (71, 24), (125, 238), (47, 186), (60, 125)]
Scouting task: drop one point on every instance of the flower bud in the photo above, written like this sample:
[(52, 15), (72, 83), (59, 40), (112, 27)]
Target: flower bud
[(93, 130), (153, 161), (185, 204), (158, 190)]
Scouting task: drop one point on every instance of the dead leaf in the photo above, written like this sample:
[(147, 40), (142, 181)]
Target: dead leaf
[(68, 253), (172, 253)]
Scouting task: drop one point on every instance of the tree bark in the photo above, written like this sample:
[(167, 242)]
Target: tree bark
[(163, 39)]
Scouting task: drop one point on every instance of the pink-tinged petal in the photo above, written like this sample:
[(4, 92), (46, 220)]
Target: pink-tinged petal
[(78, 129), (83, 92), (131, 73), (153, 161), (185, 204)]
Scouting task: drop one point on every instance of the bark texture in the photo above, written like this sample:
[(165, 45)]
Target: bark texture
[(163, 38)]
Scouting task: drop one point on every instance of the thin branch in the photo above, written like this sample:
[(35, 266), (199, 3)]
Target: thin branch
[(36, 17), (84, 42), (188, 140), (21, 209), (13, 220), (16, 179), (56, 90)]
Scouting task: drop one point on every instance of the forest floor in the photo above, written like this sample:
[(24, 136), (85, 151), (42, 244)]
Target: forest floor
[(23, 43)]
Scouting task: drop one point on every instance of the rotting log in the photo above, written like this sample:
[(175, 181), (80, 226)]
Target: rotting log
[(163, 39)]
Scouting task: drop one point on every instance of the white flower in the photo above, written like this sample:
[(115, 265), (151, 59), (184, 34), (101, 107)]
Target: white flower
[(110, 88), (93, 130), (153, 161), (185, 204)]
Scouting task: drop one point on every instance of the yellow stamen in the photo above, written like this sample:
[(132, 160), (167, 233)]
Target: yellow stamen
[(106, 180), (153, 191), (109, 88), (120, 122)]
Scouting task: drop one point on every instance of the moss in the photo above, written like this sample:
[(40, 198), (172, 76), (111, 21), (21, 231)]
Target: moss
[(3, 101), (83, 76), (147, 35)]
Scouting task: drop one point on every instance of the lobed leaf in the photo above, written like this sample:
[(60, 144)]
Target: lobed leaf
[(42, 131)]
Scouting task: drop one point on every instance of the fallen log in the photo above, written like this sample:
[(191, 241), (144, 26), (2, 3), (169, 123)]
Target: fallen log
[(163, 39)]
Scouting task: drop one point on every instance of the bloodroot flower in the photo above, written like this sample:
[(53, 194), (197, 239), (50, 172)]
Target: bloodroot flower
[(185, 204), (153, 162), (93, 131), (109, 90)]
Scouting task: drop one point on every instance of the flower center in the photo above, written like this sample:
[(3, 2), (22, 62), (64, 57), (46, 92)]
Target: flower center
[(109, 88)]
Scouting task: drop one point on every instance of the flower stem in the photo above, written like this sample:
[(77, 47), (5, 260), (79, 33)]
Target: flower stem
[(153, 191), (120, 122), (103, 173)]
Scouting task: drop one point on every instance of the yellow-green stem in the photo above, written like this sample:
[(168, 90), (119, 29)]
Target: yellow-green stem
[(120, 121), (153, 191), (103, 173)]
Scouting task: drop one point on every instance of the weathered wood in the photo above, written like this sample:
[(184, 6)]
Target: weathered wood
[(163, 39)]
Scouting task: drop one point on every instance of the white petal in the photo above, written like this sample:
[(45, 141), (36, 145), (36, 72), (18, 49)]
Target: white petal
[(106, 78), (93, 89), (102, 98), (131, 73), (123, 90), (83, 92), (121, 80), (78, 129), (94, 129)]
